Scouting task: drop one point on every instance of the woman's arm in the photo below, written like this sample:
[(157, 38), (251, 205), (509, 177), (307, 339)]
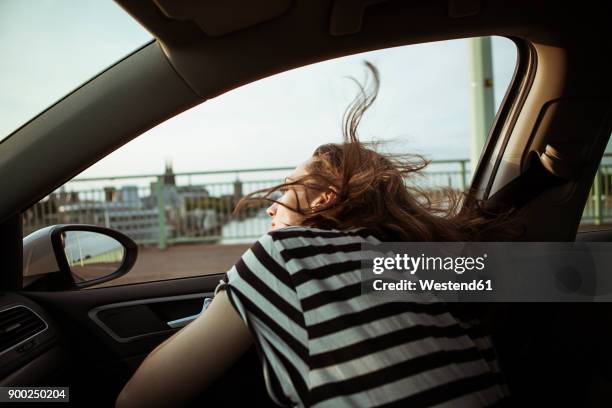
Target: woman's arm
[(186, 363)]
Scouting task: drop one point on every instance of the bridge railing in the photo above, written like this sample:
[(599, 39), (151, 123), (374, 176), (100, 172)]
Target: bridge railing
[(173, 208)]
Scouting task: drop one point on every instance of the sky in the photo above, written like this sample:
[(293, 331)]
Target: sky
[(51, 47)]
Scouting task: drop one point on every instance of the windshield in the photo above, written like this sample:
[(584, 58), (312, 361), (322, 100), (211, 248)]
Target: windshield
[(51, 47)]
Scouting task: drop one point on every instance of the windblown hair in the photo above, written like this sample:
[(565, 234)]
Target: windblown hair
[(374, 190)]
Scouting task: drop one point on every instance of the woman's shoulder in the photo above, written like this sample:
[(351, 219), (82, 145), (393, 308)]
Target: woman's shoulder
[(307, 234)]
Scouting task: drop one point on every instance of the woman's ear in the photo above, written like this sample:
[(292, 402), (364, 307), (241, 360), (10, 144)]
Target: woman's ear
[(324, 199)]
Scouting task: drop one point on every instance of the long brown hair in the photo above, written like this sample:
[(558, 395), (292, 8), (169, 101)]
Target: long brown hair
[(374, 190)]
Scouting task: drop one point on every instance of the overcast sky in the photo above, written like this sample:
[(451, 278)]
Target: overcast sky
[(50, 47)]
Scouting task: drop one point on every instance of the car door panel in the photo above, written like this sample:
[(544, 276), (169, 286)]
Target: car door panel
[(105, 333), (133, 320), (78, 307)]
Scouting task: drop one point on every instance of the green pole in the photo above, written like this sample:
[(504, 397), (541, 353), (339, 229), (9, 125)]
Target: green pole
[(482, 101), (161, 212), (597, 193)]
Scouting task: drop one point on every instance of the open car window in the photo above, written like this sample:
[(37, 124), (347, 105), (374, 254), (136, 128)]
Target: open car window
[(174, 188)]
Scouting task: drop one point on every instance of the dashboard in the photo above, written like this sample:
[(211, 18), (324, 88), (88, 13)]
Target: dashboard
[(30, 350)]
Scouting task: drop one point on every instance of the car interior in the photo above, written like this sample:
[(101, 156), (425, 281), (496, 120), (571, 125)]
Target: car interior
[(542, 153)]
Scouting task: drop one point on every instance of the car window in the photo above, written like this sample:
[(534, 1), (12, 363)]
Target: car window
[(598, 208), (51, 47), (173, 188)]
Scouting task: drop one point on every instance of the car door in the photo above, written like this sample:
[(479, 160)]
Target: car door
[(104, 334)]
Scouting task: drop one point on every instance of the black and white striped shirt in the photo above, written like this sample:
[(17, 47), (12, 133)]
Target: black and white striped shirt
[(325, 344)]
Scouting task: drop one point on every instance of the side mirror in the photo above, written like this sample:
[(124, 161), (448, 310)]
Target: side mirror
[(75, 256)]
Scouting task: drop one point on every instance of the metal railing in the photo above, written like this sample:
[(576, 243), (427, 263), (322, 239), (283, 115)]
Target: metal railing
[(176, 208), (598, 209)]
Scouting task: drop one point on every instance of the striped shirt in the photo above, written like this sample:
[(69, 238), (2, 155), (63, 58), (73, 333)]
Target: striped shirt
[(325, 344)]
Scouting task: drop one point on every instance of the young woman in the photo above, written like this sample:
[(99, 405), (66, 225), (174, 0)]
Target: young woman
[(296, 293)]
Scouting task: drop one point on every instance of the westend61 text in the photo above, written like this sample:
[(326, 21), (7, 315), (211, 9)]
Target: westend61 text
[(431, 285)]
